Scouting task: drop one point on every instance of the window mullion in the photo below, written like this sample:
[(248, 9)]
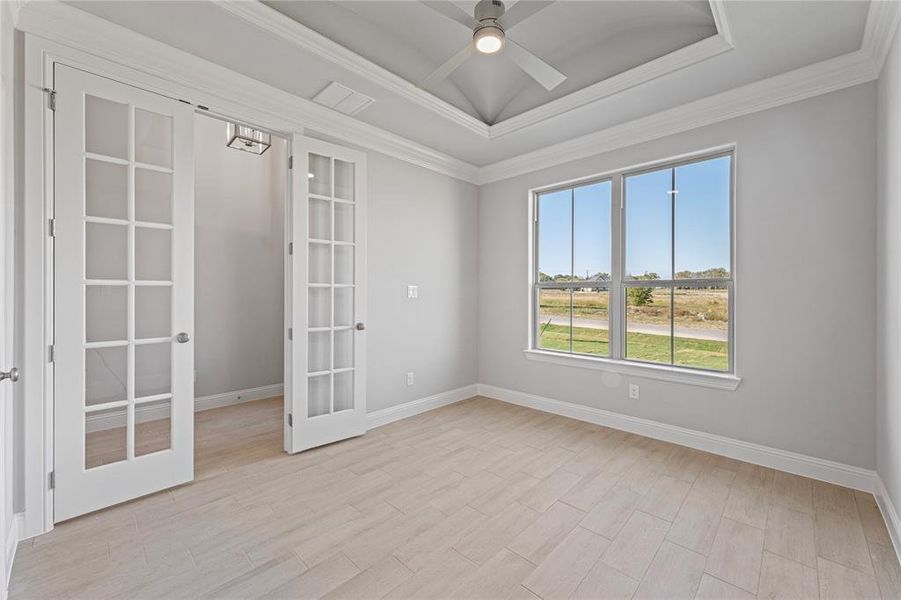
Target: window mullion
[(615, 296)]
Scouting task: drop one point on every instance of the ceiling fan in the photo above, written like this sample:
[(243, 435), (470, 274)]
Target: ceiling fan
[(490, 24)]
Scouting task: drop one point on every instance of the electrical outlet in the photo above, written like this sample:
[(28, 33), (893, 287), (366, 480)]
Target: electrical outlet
[(633, 391), (410, 378), (412, 291)]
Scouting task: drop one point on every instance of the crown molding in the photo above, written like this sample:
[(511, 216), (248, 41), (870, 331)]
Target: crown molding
[(820, 78), (882, 23), (184, 75), (274, 22)]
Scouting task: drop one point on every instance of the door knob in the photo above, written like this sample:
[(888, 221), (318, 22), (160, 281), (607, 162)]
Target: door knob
[(12, 375), (182, 338), (359, 327)]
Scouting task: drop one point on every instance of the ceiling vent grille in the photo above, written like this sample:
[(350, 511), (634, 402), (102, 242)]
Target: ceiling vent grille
[(342, 98)]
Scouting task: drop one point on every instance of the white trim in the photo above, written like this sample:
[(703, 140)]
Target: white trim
[(783, 460), (12, 543), (882, 23), (414, 407), (167, 70), (108, 420), (889, 514), (720, 381)]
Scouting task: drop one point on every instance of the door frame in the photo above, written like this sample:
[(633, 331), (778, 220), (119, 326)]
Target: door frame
[(37, 318)]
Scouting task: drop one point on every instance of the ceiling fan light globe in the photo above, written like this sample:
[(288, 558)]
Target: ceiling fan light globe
[(489, 39)]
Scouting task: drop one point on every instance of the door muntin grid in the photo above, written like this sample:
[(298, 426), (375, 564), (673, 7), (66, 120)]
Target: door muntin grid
[(128, 280), (331, 236)]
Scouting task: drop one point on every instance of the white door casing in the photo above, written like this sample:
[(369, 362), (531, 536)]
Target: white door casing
[(124, 290), (327, 352)]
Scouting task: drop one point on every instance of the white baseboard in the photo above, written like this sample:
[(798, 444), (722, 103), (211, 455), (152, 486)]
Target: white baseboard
[(12, 543), (783, 460), (152, 413), (890, 514), (408, 409)]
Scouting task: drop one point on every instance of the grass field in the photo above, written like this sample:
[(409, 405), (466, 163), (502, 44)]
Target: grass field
[(705, 354)]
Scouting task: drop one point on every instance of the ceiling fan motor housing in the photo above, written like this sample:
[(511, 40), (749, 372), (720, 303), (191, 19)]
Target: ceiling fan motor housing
[(489, 10)]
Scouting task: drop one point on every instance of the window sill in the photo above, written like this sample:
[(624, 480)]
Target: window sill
[(720, 381)]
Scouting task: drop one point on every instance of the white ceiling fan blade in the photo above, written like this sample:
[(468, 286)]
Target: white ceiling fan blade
[(521, 11), (449, 66), (452, 12), (540, 71)]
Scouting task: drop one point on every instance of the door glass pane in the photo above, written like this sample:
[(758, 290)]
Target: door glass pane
[(649, 225), (106, 251), (320, 309), (106, 127), (153, 311), (702, 219), (106, 189), (108, 445), (344, 391), (320, 175), (591, 327), (591, 228), (344, 222), (555, 236), (344, 180), (153, 254), (553, 319), (106, 375), (320, 219), (318, 392), (319, 351), (153, 369), (320, 263), (344, 307), (153, 138), (153, 196), (648, 324), (702, 328), (344, 264), (106, 313), (344, 348), (153, 427)]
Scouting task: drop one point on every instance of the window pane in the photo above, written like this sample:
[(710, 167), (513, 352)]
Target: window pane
[(555, 236), (591, 226), (648, 324), (553, 319), (701, 327), (702, 219), (649, 225), (591, 328)]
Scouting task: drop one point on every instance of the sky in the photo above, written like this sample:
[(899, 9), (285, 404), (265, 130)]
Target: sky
[(701, 223)]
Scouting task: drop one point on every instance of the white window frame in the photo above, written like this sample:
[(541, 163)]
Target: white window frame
[(616, 287)]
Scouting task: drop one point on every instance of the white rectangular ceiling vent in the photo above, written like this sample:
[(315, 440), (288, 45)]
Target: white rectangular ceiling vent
[(342, 98)]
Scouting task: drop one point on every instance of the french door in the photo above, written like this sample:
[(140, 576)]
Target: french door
[(327, 350), (123, 293)]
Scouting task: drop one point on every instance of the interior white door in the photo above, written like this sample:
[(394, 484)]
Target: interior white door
[(327, 352), (123, 293)]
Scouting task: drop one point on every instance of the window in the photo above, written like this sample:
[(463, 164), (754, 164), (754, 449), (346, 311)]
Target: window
[(644, 279)]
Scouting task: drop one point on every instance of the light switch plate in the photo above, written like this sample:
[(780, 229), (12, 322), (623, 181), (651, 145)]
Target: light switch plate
[(412, 291)]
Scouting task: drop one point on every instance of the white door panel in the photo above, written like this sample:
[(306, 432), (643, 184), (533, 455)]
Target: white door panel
[(123, 279), (327, 353)]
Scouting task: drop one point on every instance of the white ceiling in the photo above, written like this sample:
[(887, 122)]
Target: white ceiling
[(587, 41), (767, 39)]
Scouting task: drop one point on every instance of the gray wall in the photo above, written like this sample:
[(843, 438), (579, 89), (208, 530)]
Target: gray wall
[(888, 398), (805, 280), (422, 230), (239, 263)]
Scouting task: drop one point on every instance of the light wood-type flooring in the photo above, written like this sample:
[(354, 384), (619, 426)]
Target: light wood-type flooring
[(479, 499)]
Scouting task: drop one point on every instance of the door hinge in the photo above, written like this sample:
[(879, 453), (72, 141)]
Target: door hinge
[(290, 247), (290, 420), (51, 479), (51, 353), (51, 227), (290, 333), (291, 162), (51, 98)]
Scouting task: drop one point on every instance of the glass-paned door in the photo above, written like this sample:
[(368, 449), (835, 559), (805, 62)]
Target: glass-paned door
[(327, 349), (123, 293)]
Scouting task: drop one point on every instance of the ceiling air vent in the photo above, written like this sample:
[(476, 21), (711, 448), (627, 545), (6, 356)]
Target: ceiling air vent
[(342, 98)]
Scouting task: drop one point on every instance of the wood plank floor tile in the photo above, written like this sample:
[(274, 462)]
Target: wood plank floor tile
[(736, 554), (838, 582), (674, 573), (634, 547), (558, 575), (537, 540), (784, 579), (712, 588), (791, 534)]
